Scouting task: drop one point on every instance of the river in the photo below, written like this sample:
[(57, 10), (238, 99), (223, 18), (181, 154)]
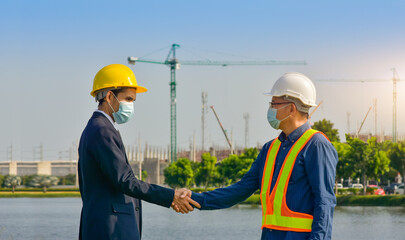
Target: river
[(58, 219)]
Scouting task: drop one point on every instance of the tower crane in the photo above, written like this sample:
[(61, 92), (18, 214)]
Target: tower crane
[(358, 131), (313, 111), (395, 79), (174, 64), (222, 128)]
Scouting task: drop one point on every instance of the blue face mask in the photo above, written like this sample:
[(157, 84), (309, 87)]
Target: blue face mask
[(124, 113), (271, 117)]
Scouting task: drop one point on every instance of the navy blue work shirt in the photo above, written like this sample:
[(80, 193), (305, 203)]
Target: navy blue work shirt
[(310, 188)]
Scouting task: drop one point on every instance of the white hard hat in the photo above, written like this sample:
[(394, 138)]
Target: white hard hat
[(295, 85)]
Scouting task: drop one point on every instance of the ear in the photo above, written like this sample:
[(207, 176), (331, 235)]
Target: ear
[(109, 97), (293, 109)]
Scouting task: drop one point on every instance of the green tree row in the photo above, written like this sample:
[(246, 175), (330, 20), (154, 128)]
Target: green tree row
[(369, 160), (357, 159), (208, 172), (36, 181)]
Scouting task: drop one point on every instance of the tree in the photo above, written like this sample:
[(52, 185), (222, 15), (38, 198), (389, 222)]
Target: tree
[(345, 166), (248, 157), (367, 159), (397, 155), (179, 173), (233, 168), (250, 153), (12, 181), (379, 163), (326, 127), (206, 172), (69, 179), (1, 180), (44, 181)]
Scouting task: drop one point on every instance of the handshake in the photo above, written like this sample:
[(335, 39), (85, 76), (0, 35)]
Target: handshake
[(182, 201)]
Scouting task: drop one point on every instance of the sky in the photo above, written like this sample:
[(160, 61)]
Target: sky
[(50, 52)]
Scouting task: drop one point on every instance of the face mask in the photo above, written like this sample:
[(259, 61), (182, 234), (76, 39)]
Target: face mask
[(125, 111), (271, 117)]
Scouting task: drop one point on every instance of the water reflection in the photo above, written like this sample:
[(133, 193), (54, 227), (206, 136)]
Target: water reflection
[(52, 219), (369, 223)]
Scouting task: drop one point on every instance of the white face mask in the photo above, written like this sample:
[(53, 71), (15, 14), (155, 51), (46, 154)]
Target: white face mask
[(125, 111), (272, 117)]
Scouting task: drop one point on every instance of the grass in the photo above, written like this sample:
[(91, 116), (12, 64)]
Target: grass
[(38, 194), (40, 189)]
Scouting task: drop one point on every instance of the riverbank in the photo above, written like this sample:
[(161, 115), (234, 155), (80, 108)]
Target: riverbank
[(353, 200), (373, 200), (342, 200)]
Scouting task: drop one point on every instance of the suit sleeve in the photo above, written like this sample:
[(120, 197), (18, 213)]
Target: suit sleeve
[(321, 169), (236, 193), (113, 164)]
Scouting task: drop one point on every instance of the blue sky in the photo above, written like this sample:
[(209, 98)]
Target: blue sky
[(51, 50)]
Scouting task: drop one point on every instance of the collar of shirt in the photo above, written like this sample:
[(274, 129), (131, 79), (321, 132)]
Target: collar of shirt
[(109, 118), (296, 134)]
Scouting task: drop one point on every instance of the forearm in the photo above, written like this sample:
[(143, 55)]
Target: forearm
[(236, 193), (148, 192), (223, 197)]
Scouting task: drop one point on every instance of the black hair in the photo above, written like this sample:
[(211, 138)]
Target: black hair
[(115, 91)]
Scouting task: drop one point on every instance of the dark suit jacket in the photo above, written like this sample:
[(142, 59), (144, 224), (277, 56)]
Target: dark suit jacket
[(110, 192)]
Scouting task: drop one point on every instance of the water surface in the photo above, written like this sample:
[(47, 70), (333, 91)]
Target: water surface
[(58, 218)]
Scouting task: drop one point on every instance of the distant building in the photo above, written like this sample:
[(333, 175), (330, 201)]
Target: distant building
[(380, 138), (153, 160), (57, 168)]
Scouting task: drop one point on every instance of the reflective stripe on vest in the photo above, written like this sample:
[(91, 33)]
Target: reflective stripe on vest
[(276, 214)]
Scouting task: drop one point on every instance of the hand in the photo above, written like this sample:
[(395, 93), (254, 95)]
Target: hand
[(182, 200)]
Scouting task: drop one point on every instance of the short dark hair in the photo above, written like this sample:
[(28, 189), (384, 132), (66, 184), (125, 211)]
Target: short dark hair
[(304, 114), (115, 91)]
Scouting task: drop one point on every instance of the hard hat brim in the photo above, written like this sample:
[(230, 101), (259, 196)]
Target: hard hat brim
[(139, 89), (270, 94)]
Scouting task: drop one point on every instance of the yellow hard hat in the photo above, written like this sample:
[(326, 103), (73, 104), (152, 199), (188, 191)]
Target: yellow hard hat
[(115, 76)]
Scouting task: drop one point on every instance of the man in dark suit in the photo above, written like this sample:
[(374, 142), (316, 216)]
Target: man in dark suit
[(110, 192)]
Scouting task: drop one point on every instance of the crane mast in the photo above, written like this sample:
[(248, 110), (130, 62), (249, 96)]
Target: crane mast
[(174, 64), (394, 105)]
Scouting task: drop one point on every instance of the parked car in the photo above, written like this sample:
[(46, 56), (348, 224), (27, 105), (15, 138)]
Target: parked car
[(377, 190), (339, 186), (391, 188), (400, 189), (356, 185)]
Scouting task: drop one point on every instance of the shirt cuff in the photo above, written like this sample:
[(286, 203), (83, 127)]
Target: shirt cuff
[(198, 197)]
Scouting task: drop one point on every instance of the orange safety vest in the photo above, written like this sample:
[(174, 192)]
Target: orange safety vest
[(276, 214)]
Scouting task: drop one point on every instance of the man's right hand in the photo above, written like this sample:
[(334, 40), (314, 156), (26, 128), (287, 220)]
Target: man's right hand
[(182, 200)]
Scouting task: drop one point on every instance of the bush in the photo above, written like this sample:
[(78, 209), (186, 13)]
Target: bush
[(1, 180), (26, 180), (349, 191), (371, 200), (69, 179), (200, 190)]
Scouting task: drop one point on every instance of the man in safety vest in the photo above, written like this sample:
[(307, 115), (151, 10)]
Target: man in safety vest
[(109, 190), (294, 172)]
